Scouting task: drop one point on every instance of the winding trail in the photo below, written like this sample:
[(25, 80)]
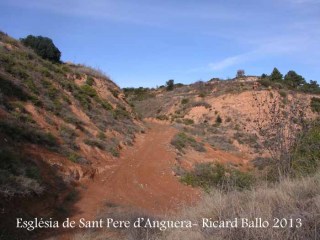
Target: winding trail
[(142, 178)]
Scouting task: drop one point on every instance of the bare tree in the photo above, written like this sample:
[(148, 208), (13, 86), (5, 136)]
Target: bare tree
[(240, 73), (280, 122)]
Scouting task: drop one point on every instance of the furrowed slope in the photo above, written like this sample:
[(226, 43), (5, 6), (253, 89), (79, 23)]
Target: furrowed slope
[(223, 114), (59, 123)]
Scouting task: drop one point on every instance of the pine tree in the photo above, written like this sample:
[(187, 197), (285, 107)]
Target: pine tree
[(43, 46), (276, 75), (294, 80), (170, 85)]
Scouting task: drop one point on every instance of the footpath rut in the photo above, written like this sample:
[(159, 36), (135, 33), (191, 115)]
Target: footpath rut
[(142, 178)]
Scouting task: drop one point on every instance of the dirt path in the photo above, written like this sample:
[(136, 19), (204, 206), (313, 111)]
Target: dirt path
[(142, 178)]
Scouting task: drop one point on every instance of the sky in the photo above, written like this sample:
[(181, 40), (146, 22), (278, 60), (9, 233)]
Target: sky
[(145, 43)]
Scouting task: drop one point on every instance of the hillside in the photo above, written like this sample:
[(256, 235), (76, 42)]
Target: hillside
[(218, 147), (223, 114), (73, 144), (59, 124)]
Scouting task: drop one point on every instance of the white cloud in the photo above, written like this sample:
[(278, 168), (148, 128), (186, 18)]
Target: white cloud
[(228, 62), (283, 45)]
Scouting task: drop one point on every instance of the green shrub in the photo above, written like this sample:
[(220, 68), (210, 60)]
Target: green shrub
[(184, 101), (138, 94), (45, 72), (162, 117), (90, 81), (306, 158), (43, 46), (246, 138), (74, 157), (265, 82), (187, 121), (88, 90), (95, 143), (101, 136), (182, 140), (106, 105), (69, 117), (84, 100), (32, 86), (283, 93), (19, 72), (202, 95), (221, 142), (69, 136), (114, 152), (22, 132), (65, 68), (114, 92), (315, 104), (18, 174), (218, 119), (207, 175), (201, 103), (10, 89), (53, 92), (121, 113)]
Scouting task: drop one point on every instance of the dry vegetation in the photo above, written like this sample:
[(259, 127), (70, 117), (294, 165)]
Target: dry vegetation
[(77, 115), (281, 137), (287, 199)]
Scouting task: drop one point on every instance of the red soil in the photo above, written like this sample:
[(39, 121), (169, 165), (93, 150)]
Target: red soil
[(142, 178)]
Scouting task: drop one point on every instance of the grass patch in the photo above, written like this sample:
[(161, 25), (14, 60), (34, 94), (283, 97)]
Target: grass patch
[(289, 199), (181, 141), (218, 120), (21, 132), (10, 89), (138, 94), (201, 104), (18, 174), (315, 104), (162, 117), (208, 175), (68, 136), (247, 139), (221, 142), (184, 101), (95, 143), (306, 159), (187, 121)]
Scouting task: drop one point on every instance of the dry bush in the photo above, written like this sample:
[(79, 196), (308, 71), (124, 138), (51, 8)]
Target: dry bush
[(221, 142), (20, 186), (280, 126), (288, 199), (200, 104), (81, 68)]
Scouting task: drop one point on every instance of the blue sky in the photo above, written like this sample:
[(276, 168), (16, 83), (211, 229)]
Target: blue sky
[(145, 43)]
